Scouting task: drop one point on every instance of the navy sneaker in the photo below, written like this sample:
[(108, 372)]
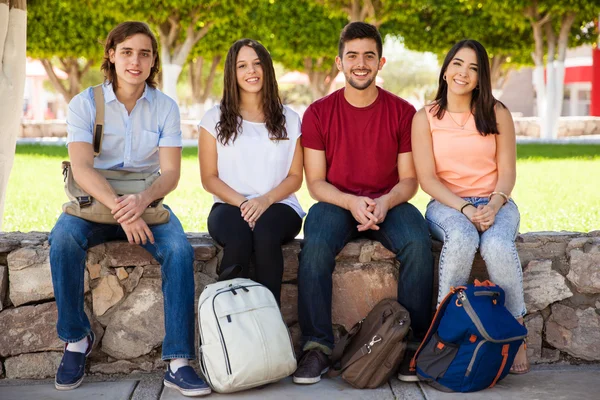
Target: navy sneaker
[(72, 367), (186, 381)]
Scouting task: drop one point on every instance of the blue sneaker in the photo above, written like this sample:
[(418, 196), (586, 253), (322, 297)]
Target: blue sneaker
[(186, 381), (72, 367)]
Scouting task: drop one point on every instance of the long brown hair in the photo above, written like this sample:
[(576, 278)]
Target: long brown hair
[(230, 123), (118, 35), (482, 100)]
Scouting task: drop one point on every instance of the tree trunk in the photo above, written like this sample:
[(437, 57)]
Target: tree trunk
[(320, 81), (538, 72), (13, 39), (551, 119), (174, 52), (74, 72), (201, 89)]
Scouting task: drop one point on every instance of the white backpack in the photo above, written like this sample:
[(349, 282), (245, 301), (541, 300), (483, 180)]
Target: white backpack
[(244, 341)]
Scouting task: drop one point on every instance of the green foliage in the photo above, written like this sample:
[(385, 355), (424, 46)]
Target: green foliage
[(66, 29), (295, 30)]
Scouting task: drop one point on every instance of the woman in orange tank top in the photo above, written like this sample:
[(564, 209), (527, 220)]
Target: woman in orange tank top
[(464, 151)]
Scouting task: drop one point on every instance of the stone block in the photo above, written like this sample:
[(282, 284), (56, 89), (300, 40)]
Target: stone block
[(123, 254), (381, 253), (351, 250), (108, 293), (29, 329), (137, 325), (30, 277), (357, 288), (289, 303), (204, 251), (366, 252), (543, 286), (290, 261), (33, 366), (133, 279), (296, 335), (94, 270), (534, 324), (121, 273), (3, 286), (576, 332), (10, 241), (584, 264), (211, 267), (120, 367)]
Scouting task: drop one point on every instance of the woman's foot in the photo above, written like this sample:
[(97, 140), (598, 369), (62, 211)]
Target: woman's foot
[(521, 363)]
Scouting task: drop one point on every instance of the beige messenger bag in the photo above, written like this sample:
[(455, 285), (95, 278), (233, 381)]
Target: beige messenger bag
[(84, 206)]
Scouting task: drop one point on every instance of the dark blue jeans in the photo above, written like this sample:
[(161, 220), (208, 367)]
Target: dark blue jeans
[(69, 241), (327, 229)]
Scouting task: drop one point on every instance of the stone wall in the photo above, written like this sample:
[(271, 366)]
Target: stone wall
[(524, 126), (567, 126), (124, 301)]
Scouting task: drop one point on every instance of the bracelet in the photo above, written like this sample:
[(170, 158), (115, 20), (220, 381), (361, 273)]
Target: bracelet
[(506, 198), (242, 203), (467, 203)]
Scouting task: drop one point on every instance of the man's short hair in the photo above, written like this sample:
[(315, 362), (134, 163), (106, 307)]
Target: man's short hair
[(359, 30)]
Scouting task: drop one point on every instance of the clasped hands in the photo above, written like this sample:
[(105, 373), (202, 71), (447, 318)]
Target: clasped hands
[(368, 212), (482, 217), (127, 212), (253, 208)]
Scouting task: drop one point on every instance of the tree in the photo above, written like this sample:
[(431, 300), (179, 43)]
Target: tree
[(555, 25), (303, 35), (181, 24), (13, 34), (67, 35)]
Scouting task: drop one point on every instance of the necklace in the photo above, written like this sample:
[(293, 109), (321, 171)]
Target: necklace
[(461, 126)]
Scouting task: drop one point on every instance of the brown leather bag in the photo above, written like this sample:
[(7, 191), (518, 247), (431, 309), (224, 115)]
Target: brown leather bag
[(370, 353), (84, 206)]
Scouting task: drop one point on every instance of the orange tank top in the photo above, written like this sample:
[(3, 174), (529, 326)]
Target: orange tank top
[(465, 160)]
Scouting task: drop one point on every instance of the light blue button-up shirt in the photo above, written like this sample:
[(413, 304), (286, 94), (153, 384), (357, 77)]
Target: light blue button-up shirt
[(130, 141)]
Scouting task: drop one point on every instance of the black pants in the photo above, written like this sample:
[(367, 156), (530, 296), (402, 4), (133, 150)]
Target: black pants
[(277, 225)]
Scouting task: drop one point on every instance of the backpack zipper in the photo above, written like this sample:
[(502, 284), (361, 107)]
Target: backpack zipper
[(470, 367), (223, 345), (479, 325)]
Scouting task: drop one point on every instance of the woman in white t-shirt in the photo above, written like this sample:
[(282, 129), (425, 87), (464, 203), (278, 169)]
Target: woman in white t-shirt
[(251, 161)]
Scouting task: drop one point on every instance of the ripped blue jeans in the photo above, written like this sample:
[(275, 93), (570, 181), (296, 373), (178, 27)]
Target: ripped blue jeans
[(496, 245)]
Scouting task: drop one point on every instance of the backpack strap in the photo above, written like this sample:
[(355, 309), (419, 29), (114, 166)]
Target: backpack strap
[(99, 125), (435, 323), (338, 351)]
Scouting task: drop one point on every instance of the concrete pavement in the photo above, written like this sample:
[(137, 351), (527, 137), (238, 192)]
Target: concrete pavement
[(560, 382)]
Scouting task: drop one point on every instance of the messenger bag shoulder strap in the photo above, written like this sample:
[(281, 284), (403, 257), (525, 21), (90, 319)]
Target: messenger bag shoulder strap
[(99, 125)]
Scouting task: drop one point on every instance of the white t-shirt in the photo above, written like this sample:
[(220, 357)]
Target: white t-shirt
[(254, 164)]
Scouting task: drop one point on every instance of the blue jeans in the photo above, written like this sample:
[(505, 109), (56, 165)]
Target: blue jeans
[(72, 237), (327, 229), (496, 245)]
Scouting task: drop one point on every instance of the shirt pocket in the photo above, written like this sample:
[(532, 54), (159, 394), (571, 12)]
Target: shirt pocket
[(146, 145)]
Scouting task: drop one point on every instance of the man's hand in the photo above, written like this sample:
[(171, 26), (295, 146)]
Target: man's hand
[(362, 209), (254, 208), (382, 206), (129, 208), (138, 232)]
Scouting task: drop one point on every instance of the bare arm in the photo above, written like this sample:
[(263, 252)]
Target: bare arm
[(209, 174), (506, 159), (315, 167), (422, 147)]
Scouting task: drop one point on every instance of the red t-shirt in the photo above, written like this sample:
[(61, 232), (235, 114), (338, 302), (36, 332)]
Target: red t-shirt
[(361, 144)]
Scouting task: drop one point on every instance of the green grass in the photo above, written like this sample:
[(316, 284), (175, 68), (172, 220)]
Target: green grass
[(557, 189)]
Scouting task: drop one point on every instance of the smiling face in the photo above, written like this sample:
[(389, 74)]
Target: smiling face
[(133, 59), (249, 71), (360, 63), (462, 72)]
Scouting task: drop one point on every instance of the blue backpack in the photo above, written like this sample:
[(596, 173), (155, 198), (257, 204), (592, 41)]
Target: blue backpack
[(472, 341)]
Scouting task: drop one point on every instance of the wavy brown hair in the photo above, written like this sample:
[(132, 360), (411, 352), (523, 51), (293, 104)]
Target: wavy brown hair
[(118, 35), (482, 100), (230, 123)]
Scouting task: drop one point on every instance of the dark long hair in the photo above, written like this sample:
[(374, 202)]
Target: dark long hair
[(230, 123), (482, 100), (118, 35)]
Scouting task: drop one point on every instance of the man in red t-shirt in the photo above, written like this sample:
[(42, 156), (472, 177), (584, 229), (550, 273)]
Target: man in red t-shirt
[(359, 167)]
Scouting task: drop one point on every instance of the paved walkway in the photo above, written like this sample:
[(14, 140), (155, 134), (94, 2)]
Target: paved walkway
[(560, 382)]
